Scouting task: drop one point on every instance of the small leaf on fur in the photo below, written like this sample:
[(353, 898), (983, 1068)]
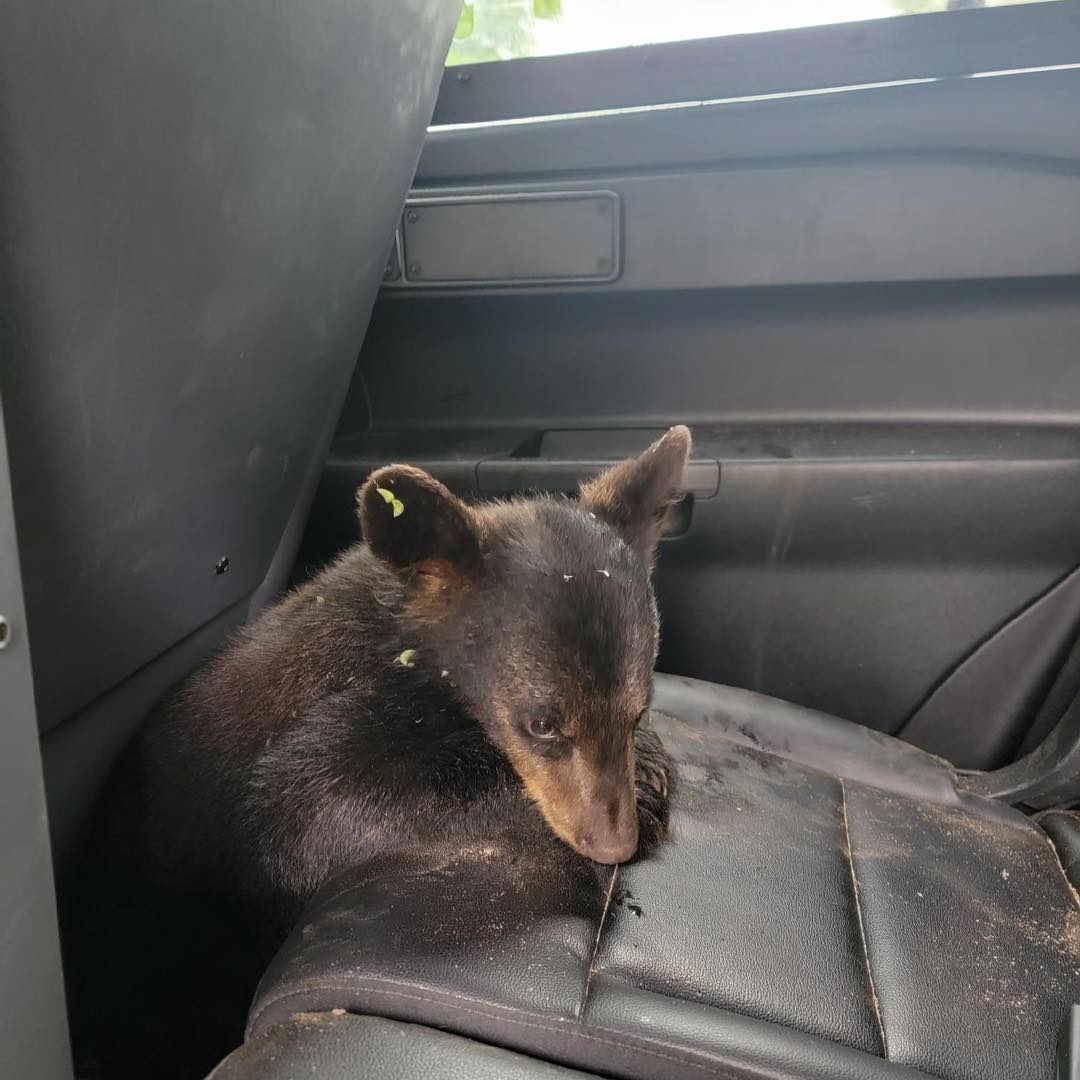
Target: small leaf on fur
[(407, 658), (392, 501)]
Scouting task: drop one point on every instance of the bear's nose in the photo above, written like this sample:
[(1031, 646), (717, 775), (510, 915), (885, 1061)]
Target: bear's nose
[(611, 835), (609, 853)]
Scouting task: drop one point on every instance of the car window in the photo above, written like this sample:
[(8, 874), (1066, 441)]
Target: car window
[(508, 29)]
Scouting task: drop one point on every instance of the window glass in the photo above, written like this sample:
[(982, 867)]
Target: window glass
[(505, 29)]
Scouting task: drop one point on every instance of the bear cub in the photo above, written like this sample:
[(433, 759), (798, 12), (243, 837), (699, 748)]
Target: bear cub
[(463, 672), (466, 675)]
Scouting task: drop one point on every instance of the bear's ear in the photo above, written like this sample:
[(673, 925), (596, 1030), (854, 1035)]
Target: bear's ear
[(634, 495), (413, 522)]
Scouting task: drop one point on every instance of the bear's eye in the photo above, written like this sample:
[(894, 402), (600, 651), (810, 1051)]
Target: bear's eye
[(540, 727)]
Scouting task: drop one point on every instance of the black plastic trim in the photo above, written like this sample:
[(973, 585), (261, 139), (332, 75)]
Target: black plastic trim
[(849, 54), (33, 1020)]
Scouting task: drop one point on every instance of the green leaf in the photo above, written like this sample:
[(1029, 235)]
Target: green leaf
[(547, 9), (465, 23), (392, 501), (407, 658)]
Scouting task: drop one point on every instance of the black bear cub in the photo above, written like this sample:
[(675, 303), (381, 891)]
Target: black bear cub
[(459, 667), (466, 674)]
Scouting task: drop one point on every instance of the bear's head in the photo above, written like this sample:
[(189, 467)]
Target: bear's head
[(541, 613)]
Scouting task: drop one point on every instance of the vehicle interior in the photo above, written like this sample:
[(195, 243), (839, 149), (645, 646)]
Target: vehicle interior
[(254, 251)]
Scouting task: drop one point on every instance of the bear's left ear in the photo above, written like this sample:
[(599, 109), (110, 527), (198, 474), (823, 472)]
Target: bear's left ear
[(634, 495), (412, 522)]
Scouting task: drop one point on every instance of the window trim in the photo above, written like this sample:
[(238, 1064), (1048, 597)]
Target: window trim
[(897, 48)]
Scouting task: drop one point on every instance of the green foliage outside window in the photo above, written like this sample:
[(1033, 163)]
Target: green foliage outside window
[(498, 29)]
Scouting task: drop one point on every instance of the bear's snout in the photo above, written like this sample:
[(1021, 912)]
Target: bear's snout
[(609, 831)]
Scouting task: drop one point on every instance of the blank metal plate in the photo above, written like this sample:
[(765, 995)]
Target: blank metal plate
[(511, 239)]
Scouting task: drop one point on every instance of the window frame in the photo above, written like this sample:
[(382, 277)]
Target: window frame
[(895, 49)]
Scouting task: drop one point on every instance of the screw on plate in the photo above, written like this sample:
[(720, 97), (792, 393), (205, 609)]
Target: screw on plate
[(464, 76), (412, 217), (603, 263), (414, 269), (221, 565), (5, 632)]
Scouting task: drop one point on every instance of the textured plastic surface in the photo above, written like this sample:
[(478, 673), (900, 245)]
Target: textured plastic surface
[(1020, 118), (1001, 683), (33, 1021), (788, 223), (900, 458), (501, 476), (511, 238), (832, 569), (190, 290), (1046, 777)]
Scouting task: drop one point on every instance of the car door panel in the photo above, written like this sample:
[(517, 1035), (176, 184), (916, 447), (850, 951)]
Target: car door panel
[(866, 304)]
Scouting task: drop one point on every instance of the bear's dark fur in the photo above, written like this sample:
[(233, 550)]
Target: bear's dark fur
[(460, 670)]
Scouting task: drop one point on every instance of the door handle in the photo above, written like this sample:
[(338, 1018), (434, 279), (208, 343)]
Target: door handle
[(506, 476)]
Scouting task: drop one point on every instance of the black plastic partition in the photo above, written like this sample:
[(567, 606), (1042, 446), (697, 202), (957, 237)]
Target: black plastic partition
[(197, 201)]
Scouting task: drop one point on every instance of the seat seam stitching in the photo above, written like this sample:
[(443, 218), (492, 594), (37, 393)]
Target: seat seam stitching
[(641, 1045), (875, 1002), (591, 970)]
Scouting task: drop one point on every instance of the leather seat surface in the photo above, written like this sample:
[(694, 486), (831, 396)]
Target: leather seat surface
[(798, 923), (336, 1046)]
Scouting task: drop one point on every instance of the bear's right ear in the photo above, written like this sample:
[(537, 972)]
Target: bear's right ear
[(634, 495), (413, 522)]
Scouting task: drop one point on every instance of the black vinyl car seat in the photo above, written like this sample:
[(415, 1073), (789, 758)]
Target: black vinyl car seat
[(831, 904)]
